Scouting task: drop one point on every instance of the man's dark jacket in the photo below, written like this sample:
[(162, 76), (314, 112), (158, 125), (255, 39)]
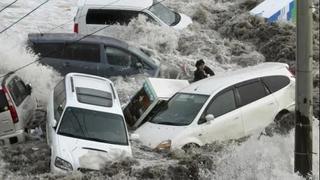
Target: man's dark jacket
[(198, 75)]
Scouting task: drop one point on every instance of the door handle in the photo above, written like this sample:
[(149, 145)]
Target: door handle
[(236, 118), (270, 103)]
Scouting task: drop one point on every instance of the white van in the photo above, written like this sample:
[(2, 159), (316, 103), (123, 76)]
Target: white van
[(85, 124), (16, 108), (226, 106), (95, 14)]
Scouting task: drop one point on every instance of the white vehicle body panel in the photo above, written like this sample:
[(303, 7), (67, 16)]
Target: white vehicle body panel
[(131, 5), (232, 125), (24, 112), (83, 153)]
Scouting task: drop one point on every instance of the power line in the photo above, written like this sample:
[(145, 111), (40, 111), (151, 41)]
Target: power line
[(8, 5), (83, 37), (23, 17)]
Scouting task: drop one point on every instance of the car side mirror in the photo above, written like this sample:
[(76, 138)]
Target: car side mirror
[(209, 117), (29, 89), (134, 137), (53, 123), (60, 109)]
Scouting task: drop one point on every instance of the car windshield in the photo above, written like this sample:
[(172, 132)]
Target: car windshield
[(93, 125), (165, 14), (180, 110)]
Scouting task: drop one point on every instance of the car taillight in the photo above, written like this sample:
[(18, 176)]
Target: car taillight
[(76, 28), (292, 71), (12, 109)]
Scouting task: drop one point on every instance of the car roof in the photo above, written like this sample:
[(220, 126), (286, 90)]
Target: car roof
[(4, 77), (220, 81), (1, 77), (74, 37), (139, 4), (95, 84)]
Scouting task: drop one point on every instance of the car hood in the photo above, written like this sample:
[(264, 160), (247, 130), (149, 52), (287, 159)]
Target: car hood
[(152, 135), (90, 154), (184, 22)]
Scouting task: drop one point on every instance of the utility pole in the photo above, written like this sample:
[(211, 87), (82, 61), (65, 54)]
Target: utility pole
[(304, 85)]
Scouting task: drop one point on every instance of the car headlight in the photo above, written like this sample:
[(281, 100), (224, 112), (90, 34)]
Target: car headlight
[(164, 145), (63, 164)]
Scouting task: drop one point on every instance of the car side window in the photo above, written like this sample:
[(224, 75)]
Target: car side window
[(52, 50), (251, 92), (3, 102), (72, 51), (275, 83), (82, 52), (17, 90), (59, 100), (222, 104), (120, 57), (108, 16)]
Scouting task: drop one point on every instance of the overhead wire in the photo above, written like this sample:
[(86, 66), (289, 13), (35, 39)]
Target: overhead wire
[(83, 37), (16, 22), (7, 6), (61, 25)]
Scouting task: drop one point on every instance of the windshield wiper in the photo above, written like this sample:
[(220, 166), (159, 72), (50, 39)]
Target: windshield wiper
[(167, 123)]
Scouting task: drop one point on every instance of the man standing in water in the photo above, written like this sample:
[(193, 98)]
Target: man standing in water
[(202, 71)]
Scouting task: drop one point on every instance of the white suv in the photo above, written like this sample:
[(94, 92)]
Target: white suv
[(16, 108), (226, 106), (94, 14), (85, 124)]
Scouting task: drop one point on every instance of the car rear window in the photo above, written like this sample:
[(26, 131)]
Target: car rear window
[(94, 97), (18, 90), (3, 101), (103, 16), (275, 83), (71, 51)]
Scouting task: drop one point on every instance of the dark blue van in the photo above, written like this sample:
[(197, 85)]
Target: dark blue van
[(97, 55)]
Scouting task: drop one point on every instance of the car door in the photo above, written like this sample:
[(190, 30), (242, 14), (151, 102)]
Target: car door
[(258, 106), (81, 57), (24, 103), (55, 107), (227, 123), (120, 62)]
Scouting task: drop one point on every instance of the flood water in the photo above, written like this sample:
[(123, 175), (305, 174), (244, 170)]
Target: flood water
[(223, 34)]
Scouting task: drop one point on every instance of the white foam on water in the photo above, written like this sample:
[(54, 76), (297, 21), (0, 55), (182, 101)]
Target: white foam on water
[(264, 158)]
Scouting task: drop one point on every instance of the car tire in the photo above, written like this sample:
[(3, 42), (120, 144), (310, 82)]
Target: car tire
[(190, 147), (285, 121)]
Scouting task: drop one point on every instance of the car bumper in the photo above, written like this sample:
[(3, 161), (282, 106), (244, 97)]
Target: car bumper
[(17, 137)]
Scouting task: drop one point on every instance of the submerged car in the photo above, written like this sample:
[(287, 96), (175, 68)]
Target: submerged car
[(154, 92), (85, 124), (93, 14), (225, 106), (96, 55), (16, 108)]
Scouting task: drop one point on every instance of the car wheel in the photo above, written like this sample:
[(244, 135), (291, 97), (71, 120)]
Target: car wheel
[(190, 147), (283, 123)]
